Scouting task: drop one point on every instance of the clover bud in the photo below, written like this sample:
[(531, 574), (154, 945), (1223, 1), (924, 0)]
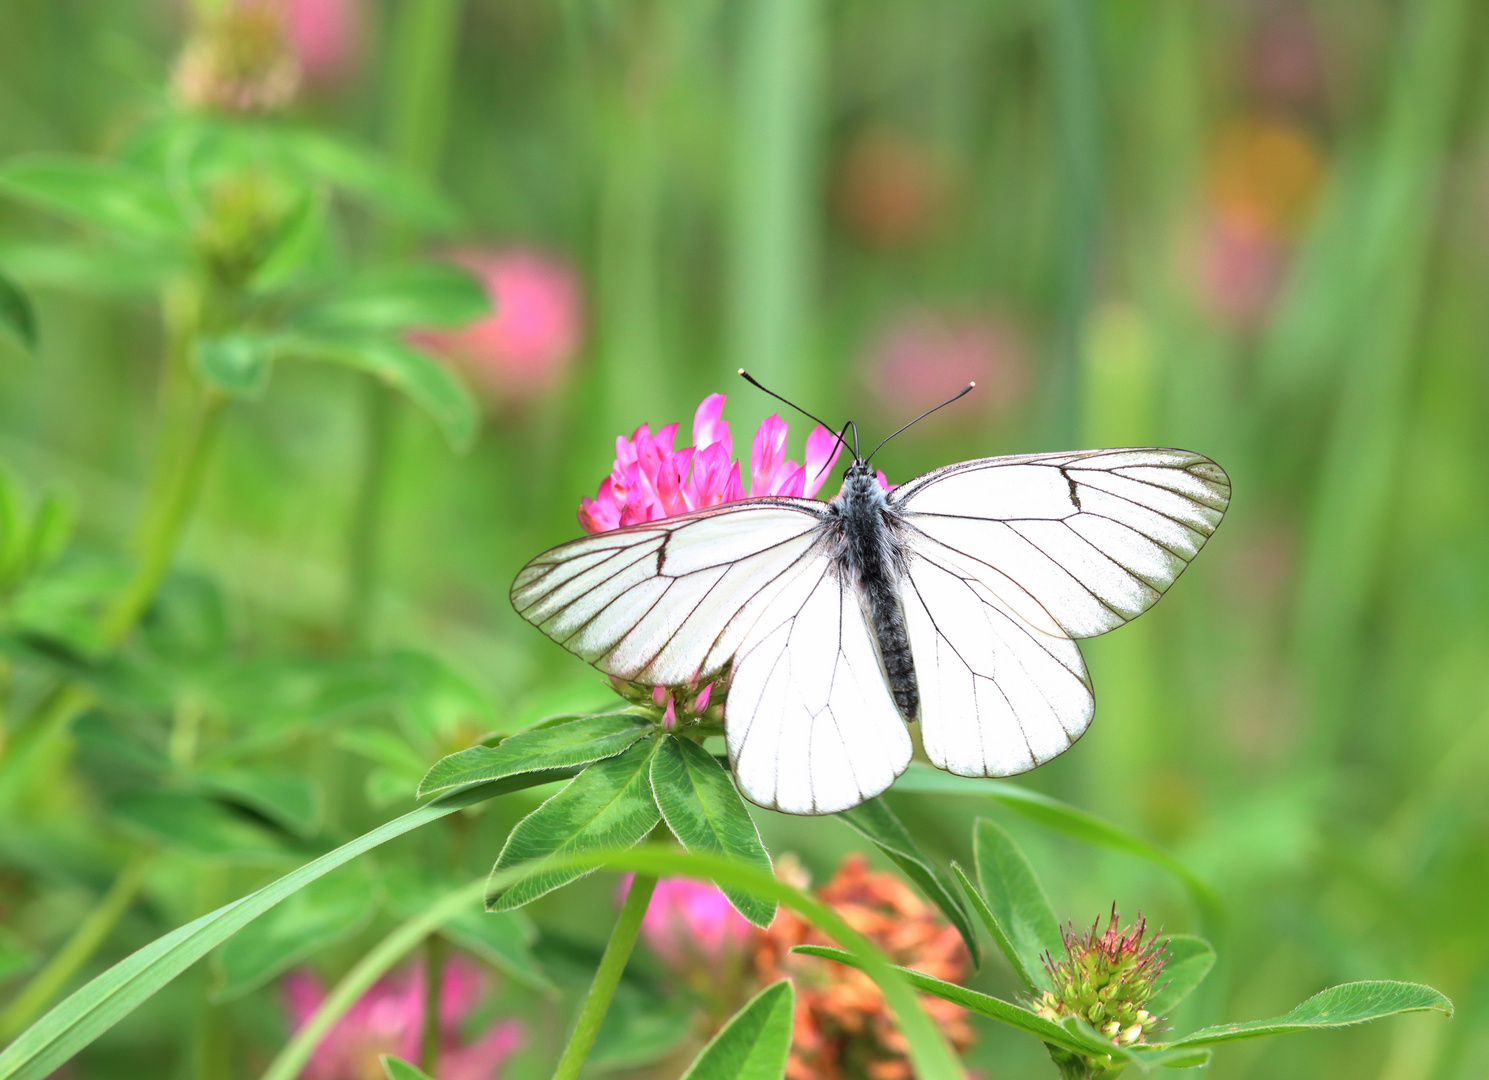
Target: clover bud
[(1107, 977), (687, 708), (240, 60)]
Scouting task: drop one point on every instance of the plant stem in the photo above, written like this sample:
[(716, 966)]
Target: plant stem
[(363, 541), (607, 977), (164, 528), (179, 467), (356, 982), (25, 753), (85, 939), (775, 214), (434, 978), (1078, 116), (424, 39)]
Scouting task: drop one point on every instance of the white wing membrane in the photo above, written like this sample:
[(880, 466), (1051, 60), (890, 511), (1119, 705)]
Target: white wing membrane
[(812, 728), (670, 600), (1013, 557), (997, 695)]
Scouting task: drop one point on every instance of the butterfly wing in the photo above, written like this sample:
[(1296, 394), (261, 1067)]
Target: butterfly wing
[(811, 726), (668, 601), (1011, 559)]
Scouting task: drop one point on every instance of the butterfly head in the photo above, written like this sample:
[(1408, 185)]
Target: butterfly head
[(862, 467)]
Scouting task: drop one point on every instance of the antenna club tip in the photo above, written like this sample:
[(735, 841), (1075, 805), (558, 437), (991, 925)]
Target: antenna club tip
[(740, 372), (972, 384)]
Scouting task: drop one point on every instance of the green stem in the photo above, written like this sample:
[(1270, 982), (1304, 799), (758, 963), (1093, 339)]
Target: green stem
[(424, 39), (1078, 113), (164, 528), (363, 546), (25, 754), (91, 933), (434, 977), (607, 977), (180, 466), (393, 948), (776, 216)]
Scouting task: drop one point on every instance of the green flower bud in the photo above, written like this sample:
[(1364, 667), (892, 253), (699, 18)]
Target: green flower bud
[(1107, 977)]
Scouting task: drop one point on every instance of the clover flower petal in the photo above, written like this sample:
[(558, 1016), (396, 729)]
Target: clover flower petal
[(389, 1019), (709, 428), (823, 448)]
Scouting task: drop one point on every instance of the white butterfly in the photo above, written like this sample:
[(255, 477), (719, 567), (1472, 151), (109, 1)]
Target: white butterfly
[(953, 600)]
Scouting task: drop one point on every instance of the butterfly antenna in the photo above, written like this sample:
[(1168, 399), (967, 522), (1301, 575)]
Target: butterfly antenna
[(963, 393), (747, 377)]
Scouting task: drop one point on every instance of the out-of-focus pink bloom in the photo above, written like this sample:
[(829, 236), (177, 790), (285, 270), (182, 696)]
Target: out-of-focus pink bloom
[(924, 356), (1285, 61), (527, 343), (1265, 172), (389, 1019), (1264, 175), (891, 189), (1241, 270), (651, 480), (691, 926), (325, 35)]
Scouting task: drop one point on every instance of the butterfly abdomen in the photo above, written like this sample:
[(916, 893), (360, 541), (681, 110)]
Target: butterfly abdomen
[(887, 620), (871, 558)]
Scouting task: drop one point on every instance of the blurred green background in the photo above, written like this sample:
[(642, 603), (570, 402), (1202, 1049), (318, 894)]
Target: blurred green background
[(1257, 229)]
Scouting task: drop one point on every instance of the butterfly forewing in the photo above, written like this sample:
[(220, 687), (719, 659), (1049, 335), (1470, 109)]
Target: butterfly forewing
[(1012, 557), (652, 603)]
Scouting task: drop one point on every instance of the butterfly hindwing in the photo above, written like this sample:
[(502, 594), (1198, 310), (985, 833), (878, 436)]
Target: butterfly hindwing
[(997, 695), (1011, 558), (811, 726)]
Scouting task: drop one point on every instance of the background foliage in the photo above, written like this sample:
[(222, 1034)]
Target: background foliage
[(1255, 229)]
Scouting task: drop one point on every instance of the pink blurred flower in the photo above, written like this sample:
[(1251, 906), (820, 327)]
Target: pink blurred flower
[(651, 480), (925, 356), (527, 342), (1285, 59), (1241, 270), (389, 1019), (691, 926), (891, 189), (325, 35)]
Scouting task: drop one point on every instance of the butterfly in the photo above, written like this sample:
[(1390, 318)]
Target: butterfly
[(954, 601)]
